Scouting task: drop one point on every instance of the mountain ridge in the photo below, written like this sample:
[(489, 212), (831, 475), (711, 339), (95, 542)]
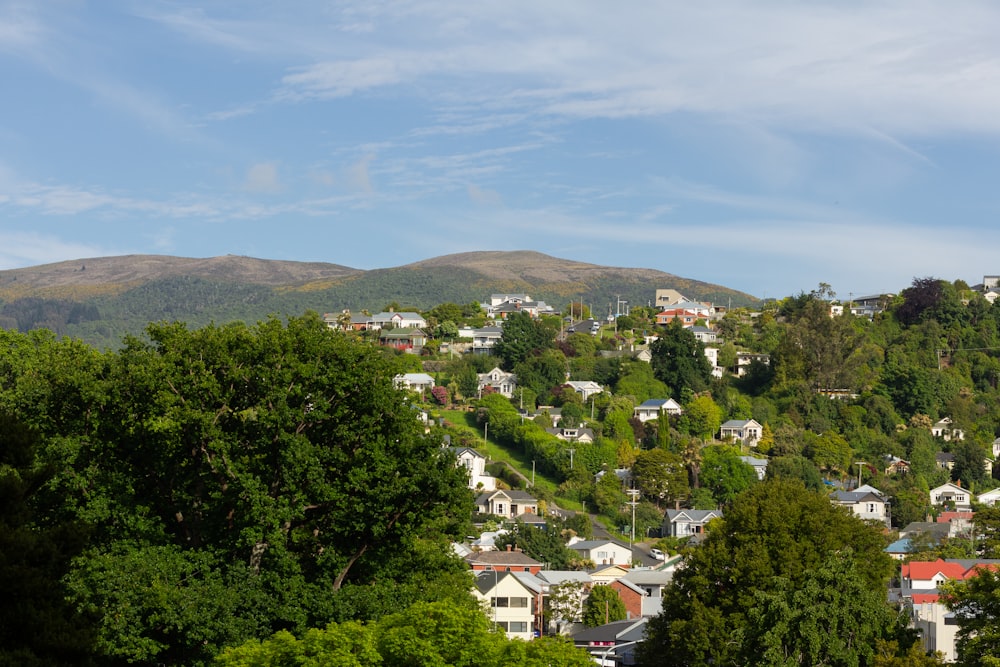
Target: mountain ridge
[(100, 299)]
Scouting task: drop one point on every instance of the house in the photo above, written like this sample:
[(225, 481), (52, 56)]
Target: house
[(414, 382), (653, 583), (896, 466), (654, 407), (475, 464), (688, 312), (508, 560), (944, 460), (484, 339), (951, 495), (501, 382), (575, 434), (959, 523), (900, 549), (605, 574), (920, 581), (869, 505), (602, 552), (613, 643), (506, 503), (745, 359), (925, 532), (945, 429), (703, 334), (586, 388), (631, 595), (989, 498), (501, 306), (747, 431), (406, 340), (759, 465), (685, 523), (513, 604), (668, 297), (712, 354)]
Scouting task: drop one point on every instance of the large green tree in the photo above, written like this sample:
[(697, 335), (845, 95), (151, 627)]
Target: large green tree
[(775, 539), (603, 605), (276, 459), (523, 337), (679, 360)]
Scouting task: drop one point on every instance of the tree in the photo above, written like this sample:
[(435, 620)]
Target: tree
[(832, 617), (276, 460), (37, 625), (679, 360), (702, 416), (752, 553), (969, 463), (603, 605), (987, 529), (975, 601), (724, 473), (523, 337), (566, 604), (661, 476), (422, 635)]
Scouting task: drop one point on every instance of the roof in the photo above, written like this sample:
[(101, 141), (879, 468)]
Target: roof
[(737, 423), (519, 496), (649, 577), (501, 558), (562, 576), (594, 544), (616, 631), (946, 517), (693, 515), (852, 497), (903, 545)]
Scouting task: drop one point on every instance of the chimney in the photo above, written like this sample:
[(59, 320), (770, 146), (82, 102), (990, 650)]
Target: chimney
[(508, 548)]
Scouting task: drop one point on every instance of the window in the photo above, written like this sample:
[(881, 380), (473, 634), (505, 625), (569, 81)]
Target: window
[(501, 602), (517, 626), (519, 602)]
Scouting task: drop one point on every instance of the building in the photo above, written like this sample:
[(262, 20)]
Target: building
[(746, 431)]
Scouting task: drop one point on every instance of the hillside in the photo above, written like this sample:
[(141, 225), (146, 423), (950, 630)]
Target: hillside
[(102, 299)]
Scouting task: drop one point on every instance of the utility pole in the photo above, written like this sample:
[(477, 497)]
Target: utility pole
[(633, 493), (570, 450)]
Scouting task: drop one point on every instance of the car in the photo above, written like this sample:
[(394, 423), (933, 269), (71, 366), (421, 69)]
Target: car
[(657, 554)]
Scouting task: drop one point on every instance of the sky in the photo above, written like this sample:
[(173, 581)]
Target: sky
[(766, 146)]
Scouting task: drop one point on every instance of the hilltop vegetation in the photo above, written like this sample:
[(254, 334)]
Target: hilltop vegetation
[(100, 300)]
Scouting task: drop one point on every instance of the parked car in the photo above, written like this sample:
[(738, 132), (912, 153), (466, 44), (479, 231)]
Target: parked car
[(657, 554)]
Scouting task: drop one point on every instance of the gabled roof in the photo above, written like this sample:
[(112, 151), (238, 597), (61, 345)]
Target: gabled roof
[(501, 558), (739, 423), (649, 577), (588, 545), (562, 576), (616, 631), (692, 515), (518, 496)]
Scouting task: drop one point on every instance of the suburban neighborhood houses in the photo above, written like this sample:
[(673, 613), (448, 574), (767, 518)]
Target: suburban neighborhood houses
[(638, 562), (655, 447)]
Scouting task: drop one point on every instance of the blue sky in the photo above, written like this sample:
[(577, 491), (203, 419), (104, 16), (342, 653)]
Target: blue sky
[(766, 146)]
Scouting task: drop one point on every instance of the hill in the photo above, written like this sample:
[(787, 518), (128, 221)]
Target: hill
[(99, 300)]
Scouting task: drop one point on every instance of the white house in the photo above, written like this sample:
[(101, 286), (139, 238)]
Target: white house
[(865, 503), (513, 605), (685, 523), (747, 431), (507, 503), (484, 339), (989, 498), (586, 388), (504, 383), (402, 320), (414, 381), (952, 495), (475, 464), (602, 552), (654, 407), (945, 429), (759, 465)]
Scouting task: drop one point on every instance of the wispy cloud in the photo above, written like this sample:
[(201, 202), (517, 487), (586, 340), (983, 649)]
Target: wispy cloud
[(28, 249), (262, 178)]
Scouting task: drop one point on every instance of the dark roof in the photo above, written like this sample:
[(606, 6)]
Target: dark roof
[(494, 558)]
